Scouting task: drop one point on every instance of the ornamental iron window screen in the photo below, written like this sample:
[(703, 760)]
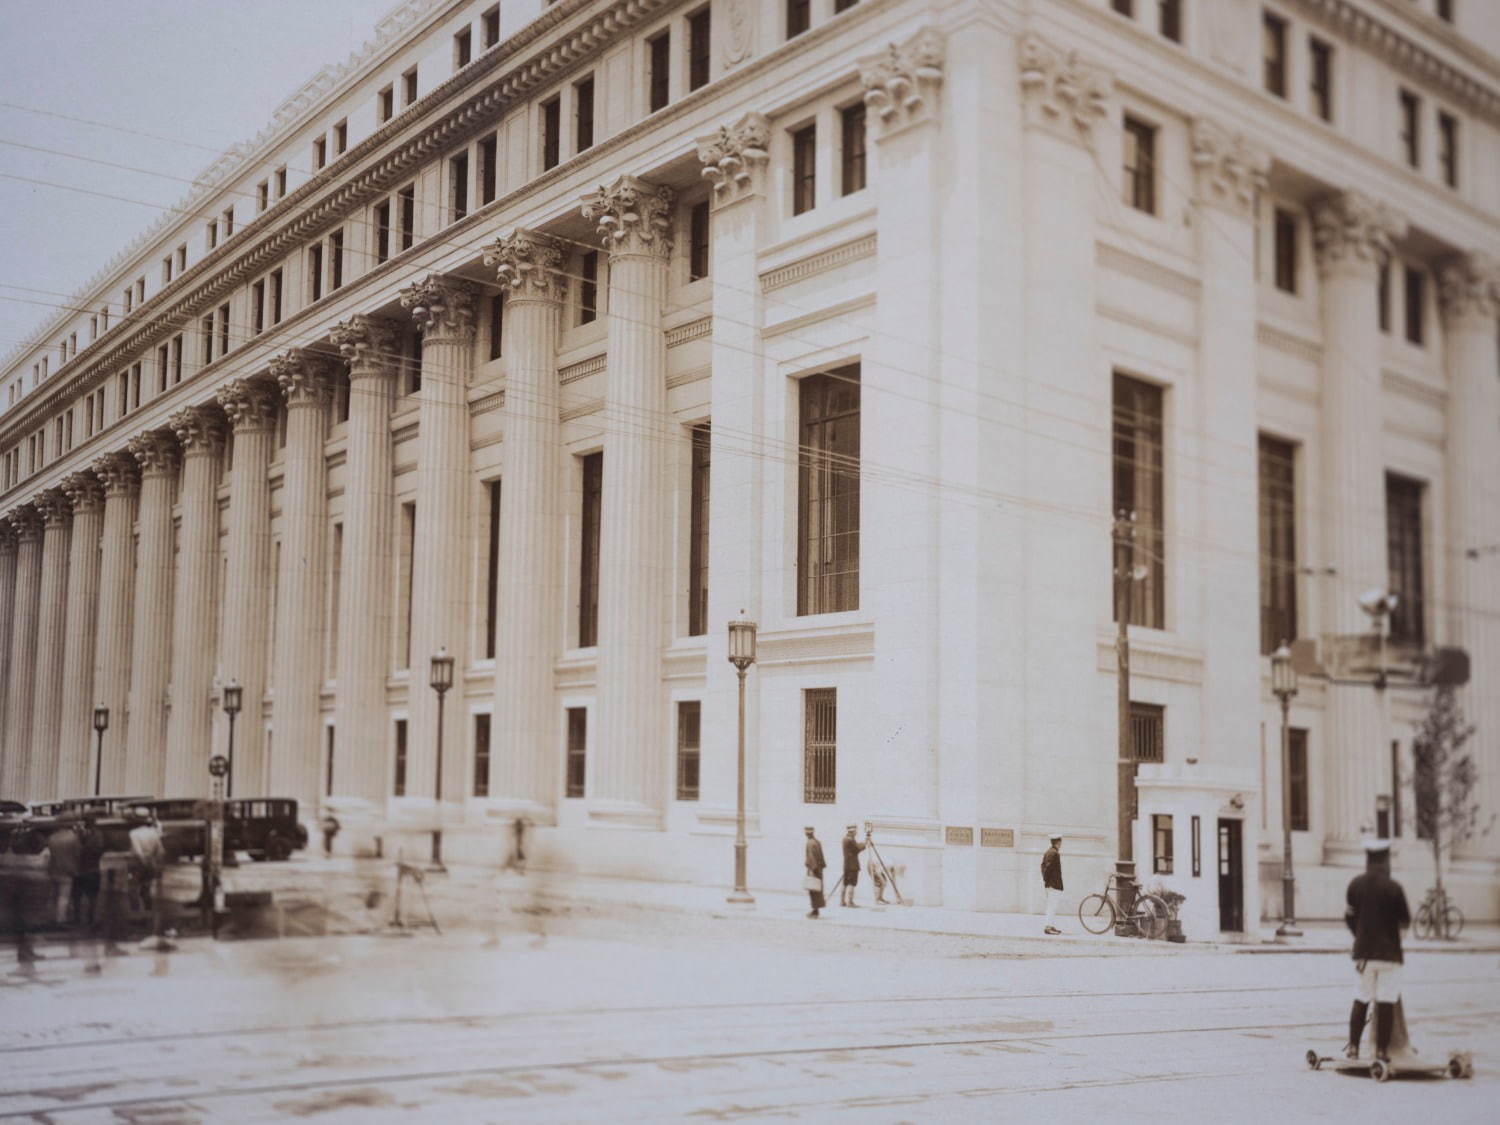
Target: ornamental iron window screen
[(1298, 777), (828, 493), (820, 746), (689, 743), (1403, 522), (578, 741), (1148, 732)]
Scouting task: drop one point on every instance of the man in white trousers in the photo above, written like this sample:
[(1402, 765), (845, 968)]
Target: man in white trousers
[(1052, 881)]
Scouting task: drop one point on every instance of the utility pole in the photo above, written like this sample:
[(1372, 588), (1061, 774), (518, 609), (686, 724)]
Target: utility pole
[(1123, 535)]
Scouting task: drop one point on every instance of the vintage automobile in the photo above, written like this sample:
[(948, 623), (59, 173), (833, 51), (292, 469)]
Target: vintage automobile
[(13, 808), (265, 828), (99, 806)]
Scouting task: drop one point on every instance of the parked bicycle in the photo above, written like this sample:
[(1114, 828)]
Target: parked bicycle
[(1099, 913), (1438, 916)]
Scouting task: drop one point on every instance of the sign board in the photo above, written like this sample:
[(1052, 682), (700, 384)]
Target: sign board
[(218, 766), (997, 837), (963, 837)]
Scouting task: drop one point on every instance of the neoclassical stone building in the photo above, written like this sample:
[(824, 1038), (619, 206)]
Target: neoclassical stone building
[(554, 336)]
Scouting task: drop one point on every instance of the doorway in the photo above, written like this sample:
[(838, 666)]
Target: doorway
[(1231, 877)]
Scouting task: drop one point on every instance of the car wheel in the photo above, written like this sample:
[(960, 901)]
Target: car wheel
[(278, 847)]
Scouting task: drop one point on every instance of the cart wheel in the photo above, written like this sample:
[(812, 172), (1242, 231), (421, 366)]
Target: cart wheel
[(1380, 1070), (1313, 1061)]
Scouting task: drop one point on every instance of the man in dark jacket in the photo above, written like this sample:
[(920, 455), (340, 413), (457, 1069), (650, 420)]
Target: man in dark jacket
[(852, 848), (815, 866), (1052, 882), (1376, 914)]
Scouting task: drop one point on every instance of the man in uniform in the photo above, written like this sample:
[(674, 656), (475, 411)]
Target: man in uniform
[(1376, 914), (852, 848), (815, 867), (1052, 883)]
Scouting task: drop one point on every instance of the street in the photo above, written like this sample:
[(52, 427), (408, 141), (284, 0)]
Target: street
[(620, 1015)]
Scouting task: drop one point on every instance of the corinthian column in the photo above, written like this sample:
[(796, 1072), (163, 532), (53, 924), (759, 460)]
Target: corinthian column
[(16, 776), (47, 668), (7, 618), (251, 407), (1352, 237), (200, 431), (75, 773), (145, 751), (523, 758), (119, 476), (364, 593), (304, 379), (625, 775)]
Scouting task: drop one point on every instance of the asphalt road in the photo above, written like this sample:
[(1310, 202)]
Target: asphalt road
[(651, 1018)]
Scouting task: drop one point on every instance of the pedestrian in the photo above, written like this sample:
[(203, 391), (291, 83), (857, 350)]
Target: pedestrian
[(516, 861), (147, 856), (852, 848), (330, 827), (86, 882), (64, 853), (814, 880), (1052, 883), (1376, 914)]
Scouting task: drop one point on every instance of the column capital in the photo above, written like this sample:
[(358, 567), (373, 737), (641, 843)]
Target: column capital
[(1062, 92), (249, 403), (634, 217), (443, 306), (54, 507), (85, 491), (117, 472), (304, 377), (529, 266), (1352, 232), (1230, 167), (26, 522), (735, 158), (155, 451), (1469, 290), (199, 429), (368, 343), (902, 81)]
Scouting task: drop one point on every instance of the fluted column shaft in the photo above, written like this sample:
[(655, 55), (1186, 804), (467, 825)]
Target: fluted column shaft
[(116, 613), (16, 777), (47, 669), (629, 749), (190, 725), (7, 618), (524, 758), (364, 655), (145, 752), (299, 599), (75, 773), (251, 406)]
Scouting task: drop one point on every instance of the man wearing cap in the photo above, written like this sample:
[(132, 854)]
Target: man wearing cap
[(1376, 914), (852, 848), (815, 866), (1052, 883)]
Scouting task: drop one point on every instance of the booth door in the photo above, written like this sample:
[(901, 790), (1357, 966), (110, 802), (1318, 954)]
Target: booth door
[(1231, 877)]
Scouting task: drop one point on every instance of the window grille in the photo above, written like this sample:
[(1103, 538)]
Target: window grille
[(820, 746)]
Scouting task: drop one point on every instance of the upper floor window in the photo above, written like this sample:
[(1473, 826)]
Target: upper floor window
[(1138, 488), (798, 17), (1383, 296), (828, 492), (382, 230), (804, 168), (1411, 123), (280, 182), (1403, 527), (1273, 53), (592, 466), (409, 87), (489, 149), (228, 219), (262, 195), (1286, 251), (320, 152), (698, 241), (1124, 7), (166, 269), (1278, 543), (1320, 77), (406, 200), (852, 121), (588, 287), (463, 48), (340, 136), (386, 103), (698, 531), (1140, 165), (1169, 19), (1415, 302), (490, 27), (583, 114), (1445, 10), (182, 257), (1448, 148), (699, 35), (659, 70), (458, 185), (551, 132)]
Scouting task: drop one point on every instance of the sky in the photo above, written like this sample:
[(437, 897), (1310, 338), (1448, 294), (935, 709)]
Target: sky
[(200, 75)]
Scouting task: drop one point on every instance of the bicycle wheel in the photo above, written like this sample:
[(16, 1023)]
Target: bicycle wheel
[(1096, 914), (1422, 928), (1453, 921), (1150, 917)]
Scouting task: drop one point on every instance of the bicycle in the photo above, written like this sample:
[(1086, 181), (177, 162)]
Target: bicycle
[(1099, 913), (1438, 916)]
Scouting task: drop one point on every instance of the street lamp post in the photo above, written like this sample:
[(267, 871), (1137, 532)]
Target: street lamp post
[(233, 696), (1126, 572), (1284, 686), (441, 679), (101, 724), (741, 655)]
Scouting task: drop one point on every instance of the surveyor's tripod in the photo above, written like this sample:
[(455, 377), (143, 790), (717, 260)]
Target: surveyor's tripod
[(877, 859)]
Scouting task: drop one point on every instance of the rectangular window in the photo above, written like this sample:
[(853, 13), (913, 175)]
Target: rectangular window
[(698, 241), (659, 69), (258, 307), (588, 288), (407, 563), (1448, 148), (206, 339), (1278, 543), (1273, 53), (689, 744), (820, 730), (162, 363), (328, 761), (1169, 20), (458, 186), (481, 755), (492, 573), (588, 555), (698, 48), (1383, 296), (798, 17), (274, 288), (382, 231), (386, 103), (1124, 7), (1415, 299), (698, 533), (1197, 847), (335, 261), (583, 115), (1138, 488), (488, 151), (104, 318), (1140, 165), (409, 87), (140, 290), (411, 361), (340, 137), (578, 749), (176, 360), (166, 276), (496, 324), (1403, 530), (804, 169), (398, 783), (1161, 844), (129, 298), (223, 320), (280, 182), (1395, 787), (852, 155), (407, 202), (828, 493), (315, 272), (1411, 123), (1445, 10), (1320, 77), (1148, 732), (341, 391), (551, 133), (320, 152), (211, 234), (262, 195), (490, 24), (463, 50), (1298, 778), (228, 222), (1286, 251)]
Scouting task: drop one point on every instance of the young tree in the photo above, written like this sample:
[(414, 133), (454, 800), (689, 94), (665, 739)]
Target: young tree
[(1444, 777)]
